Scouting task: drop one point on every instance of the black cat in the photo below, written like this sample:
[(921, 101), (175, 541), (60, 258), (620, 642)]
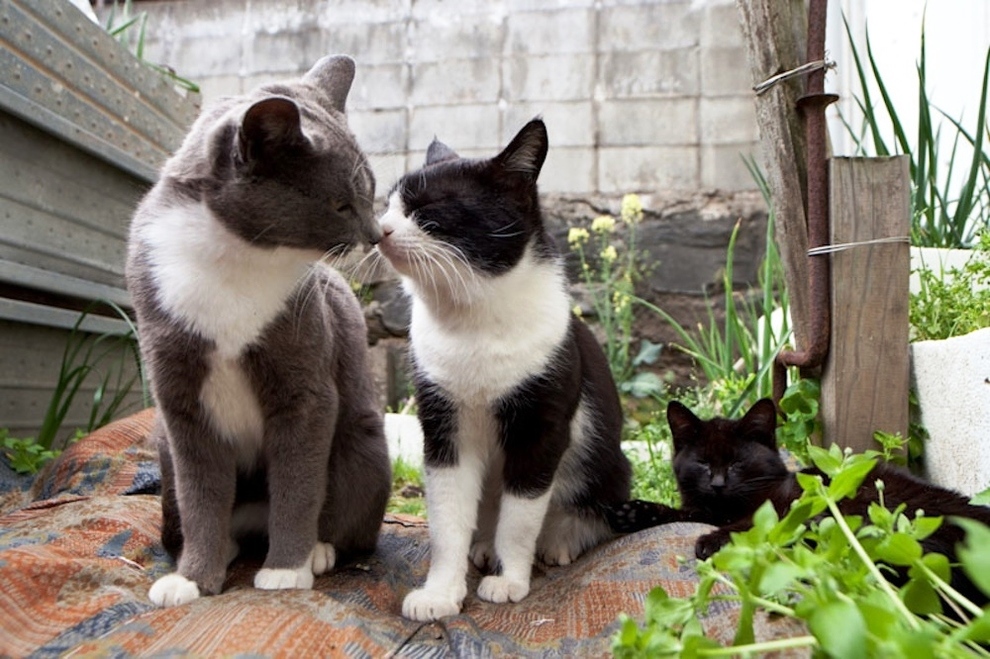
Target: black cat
[(726, 469)]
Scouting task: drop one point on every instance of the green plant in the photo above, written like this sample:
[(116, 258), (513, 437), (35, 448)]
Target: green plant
[(828, 571), (736, 355), (95, 359), (945, 211), (799, 418), (954, 302), (610, 278), (407, 489), (122, 28)]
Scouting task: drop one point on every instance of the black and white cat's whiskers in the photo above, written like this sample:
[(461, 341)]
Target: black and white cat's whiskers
[(516, 401)]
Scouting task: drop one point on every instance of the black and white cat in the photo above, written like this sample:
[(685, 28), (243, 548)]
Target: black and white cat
[(268, 420), (519, 410)]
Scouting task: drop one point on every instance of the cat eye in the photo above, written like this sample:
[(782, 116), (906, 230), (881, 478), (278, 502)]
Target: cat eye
[(345, 208)]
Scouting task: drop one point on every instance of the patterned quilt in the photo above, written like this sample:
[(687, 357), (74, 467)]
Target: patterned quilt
[(79, 549)]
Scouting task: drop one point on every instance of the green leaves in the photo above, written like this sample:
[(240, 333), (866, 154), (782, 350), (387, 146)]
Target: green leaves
[(833, 573)]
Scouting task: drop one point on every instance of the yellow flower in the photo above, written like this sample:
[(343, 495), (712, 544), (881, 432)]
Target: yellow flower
[(577, 236), (603, 224), (609, 254), (577, 310), (632, 209)]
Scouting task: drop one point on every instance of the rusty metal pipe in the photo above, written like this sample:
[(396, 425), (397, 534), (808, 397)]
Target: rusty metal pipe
[(812, 105)]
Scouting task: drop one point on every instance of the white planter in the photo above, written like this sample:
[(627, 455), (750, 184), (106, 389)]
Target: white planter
[(952, 382), (405, 438)]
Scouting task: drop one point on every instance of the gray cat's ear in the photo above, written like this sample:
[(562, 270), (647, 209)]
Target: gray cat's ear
[(527, 150), (683, 425), (267, 126), (438, 152), (334, 75), (760, 422)]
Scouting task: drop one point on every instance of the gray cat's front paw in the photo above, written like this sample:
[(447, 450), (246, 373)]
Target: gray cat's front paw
[(426, 605), (323, 558), (501, 589), (483, 555), (284, 578), (173, 590)]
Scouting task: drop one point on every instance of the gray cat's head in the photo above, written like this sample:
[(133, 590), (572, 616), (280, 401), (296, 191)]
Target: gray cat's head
[(279, 167)]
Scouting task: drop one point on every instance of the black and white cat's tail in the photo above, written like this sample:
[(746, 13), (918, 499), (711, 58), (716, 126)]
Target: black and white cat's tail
[(637, 514)]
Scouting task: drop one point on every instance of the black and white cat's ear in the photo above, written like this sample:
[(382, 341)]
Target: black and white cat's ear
[(760, 423), (683, 424), (527, 150), (269, 125), (439, 152), (334, 74)]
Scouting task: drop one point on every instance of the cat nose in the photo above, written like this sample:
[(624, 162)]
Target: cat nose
[(718, 481), (374, 235)]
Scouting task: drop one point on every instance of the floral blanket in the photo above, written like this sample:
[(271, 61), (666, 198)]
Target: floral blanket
[(79, 548)]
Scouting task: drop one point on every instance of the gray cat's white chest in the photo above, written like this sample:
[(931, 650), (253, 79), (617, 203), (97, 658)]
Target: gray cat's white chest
[(232, 406)]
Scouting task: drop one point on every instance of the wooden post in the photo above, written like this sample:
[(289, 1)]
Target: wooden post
[(774, 31), (866, 376)]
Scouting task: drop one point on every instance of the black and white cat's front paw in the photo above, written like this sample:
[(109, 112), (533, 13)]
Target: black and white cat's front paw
[(427, 604), (708, 544), (173, 590), (500, 589)]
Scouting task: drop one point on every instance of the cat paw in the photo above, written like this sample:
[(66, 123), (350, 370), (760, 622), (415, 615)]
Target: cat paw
[(556, 555), (499, 589), (710, 543), (173, 590), (483, 555), (426, 605), (324, 558), (284, 578)]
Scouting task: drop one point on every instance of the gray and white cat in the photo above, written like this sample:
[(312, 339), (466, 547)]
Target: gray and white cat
[(268, 421), (520, 414)]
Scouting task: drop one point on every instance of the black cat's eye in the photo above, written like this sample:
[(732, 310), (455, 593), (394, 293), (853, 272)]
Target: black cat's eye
[(344, 208)]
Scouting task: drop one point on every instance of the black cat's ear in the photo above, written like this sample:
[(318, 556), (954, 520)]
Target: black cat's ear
[(683, 423), (527, 150), (439, 152), (334, 75), (760, 423), (268, 126)]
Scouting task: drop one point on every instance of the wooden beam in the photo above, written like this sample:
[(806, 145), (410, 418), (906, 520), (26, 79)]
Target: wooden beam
[(775, 31), (866, 376)]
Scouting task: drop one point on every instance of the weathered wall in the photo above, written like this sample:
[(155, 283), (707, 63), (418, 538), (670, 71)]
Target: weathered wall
[(638, 96)]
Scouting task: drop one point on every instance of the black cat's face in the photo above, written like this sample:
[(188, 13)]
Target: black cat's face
[(458, 219), (722, 464), (286, 171)]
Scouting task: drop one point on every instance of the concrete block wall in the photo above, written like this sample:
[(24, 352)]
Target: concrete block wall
[(638, 95)]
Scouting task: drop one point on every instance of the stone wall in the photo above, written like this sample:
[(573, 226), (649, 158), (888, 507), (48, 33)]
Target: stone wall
[(638, 96), (647, 96)]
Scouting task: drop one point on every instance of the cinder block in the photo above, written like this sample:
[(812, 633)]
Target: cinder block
[(383, 131), (199, 57), (728, 119), (455, 81), (647, 169), (379, 87), (725, 71), (367, 43), (461, 127), (663, 26), (458, 36), (723, 168), (649, 122), (721, 27), (569, 123), (625, 74), (388, 168), (442, 10), (292, 52), (214, 87), (543, 5), (548, 78), (550, 32), (568, 169)]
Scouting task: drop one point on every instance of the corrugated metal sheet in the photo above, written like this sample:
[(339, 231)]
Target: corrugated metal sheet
[(84, 128)]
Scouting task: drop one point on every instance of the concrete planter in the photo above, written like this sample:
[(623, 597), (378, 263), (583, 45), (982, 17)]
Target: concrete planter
[(952, 382), (951, 378)]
